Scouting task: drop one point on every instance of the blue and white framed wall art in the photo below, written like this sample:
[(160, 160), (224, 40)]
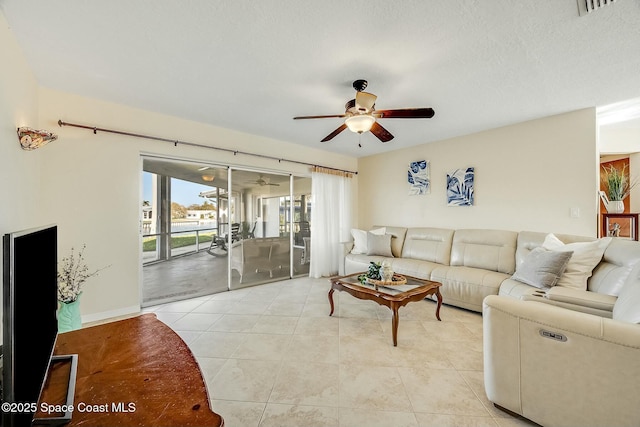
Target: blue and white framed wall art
[(460, 185), (418, 178)]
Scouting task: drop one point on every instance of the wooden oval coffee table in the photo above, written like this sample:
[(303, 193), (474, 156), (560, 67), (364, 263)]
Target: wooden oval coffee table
[(418, 290)]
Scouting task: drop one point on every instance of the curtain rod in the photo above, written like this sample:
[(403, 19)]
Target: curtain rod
[(175, 142)]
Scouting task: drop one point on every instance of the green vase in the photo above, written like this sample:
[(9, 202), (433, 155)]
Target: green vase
[(69, 316)]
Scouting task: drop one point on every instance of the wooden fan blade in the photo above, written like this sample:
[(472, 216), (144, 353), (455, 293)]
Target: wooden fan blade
[(380, 132), (333, 116), (334, 133), (405, 113)]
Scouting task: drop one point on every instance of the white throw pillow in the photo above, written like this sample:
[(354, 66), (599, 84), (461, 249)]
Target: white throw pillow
[(586, 256), (360, 239)]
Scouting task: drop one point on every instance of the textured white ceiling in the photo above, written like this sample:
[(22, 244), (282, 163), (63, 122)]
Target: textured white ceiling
[(254, 65)]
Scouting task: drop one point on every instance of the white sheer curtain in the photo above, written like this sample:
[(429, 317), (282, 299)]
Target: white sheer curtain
[(331, 220)]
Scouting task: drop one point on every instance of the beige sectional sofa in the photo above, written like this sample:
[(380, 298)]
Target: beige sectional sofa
[(470, 264), (475, 263), (559, 356), (560, 367)]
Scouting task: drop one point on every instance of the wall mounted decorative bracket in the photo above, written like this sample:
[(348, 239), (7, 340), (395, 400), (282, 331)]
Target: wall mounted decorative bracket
[(31, 139)]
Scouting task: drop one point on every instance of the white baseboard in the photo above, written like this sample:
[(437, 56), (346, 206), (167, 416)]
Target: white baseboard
[(121, 312)]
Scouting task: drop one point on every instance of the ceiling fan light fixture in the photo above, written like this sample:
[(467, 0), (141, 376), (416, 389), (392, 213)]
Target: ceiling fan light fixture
[(360, 123)]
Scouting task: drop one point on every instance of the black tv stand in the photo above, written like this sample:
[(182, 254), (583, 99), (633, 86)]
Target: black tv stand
[(70, 362)]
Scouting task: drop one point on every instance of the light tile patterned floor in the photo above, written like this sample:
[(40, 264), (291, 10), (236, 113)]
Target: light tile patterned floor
[(271, 356)]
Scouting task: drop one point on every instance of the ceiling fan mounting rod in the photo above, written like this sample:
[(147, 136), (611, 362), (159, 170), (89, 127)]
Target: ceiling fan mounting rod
[(360, 85)]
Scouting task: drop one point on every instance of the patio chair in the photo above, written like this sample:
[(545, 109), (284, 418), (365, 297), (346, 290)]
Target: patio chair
[(251, 233), (235, 232), (305, 231), (218, 245)]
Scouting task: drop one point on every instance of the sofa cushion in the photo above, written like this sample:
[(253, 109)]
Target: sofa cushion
[(429, 244), (360, 239), (542, 268), (617, 262), (379, 244), (358, 263), (586, 256), (515, 289), (581, 298), (466, 287), (627, 307), (414, 267), (397, 238), (487, 249), (572, 299)]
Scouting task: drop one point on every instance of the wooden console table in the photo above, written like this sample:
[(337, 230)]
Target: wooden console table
[(135, 371), (631, 217)]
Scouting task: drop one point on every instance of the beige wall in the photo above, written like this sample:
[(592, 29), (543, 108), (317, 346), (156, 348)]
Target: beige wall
[(18, 107), (615, 139), (20, 171), (93, 185), (528, 177)]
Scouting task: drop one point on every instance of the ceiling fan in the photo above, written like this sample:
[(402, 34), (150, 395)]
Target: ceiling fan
[(262, 182), (361, 116)]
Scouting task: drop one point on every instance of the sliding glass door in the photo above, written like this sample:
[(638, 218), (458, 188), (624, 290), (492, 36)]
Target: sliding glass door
[(301, 224), (208, 228), (184, 211), (262, 253)]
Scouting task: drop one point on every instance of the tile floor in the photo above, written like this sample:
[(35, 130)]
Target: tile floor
[(191, 276), (271, 356)]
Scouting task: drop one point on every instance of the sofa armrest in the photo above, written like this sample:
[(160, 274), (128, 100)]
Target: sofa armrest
[(345, 249), (581, 298), (560, 367)]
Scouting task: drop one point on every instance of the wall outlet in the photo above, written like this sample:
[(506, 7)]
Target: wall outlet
[(575, 212)]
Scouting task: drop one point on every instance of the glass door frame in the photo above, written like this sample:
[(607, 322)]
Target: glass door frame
[(246, 204), (260, 202)]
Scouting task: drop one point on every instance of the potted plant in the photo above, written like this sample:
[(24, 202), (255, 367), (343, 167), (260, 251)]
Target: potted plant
[(372, 273), (617, 186)]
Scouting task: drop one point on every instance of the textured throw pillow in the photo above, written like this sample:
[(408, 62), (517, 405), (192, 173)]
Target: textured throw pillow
[(360, 239), (586, 256), (379, 244), (542, 268)]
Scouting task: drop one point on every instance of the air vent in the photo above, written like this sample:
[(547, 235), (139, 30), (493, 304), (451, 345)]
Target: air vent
[(588, 6)]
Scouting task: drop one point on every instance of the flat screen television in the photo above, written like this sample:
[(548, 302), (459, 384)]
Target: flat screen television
[(29, 321)]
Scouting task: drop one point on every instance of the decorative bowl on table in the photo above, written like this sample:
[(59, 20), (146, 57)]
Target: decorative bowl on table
[(396, 280)]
